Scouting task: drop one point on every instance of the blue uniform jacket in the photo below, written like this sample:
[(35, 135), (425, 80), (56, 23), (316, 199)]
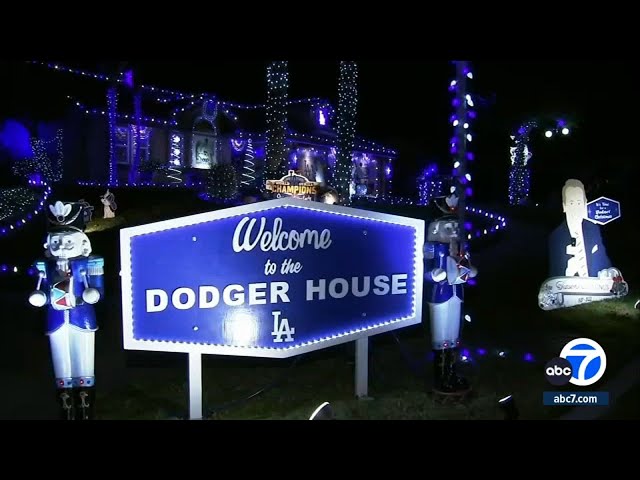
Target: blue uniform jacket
[(60, 289), (438, 292)]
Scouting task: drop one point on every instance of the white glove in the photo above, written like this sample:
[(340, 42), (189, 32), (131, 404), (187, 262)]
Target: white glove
[(38, 298), (614, 272), (438, 275), (91, 295), (571, 250), (604, 274)]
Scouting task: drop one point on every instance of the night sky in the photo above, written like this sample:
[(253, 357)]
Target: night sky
[(406, 105)]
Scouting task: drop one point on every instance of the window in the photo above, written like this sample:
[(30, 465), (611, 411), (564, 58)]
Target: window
[(122, 145), (125, 144)]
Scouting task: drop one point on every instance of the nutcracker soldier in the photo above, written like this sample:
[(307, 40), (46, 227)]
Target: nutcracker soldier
[(70, 282), (447, 269)]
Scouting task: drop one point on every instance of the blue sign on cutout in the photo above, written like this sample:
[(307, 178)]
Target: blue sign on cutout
[(271, 279), (603, 210)]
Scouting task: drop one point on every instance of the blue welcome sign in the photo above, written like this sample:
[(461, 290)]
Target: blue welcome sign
[(271, 279), (603, 210)]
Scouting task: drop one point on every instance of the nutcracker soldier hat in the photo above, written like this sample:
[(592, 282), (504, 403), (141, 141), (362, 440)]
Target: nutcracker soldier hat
[(68, 216), (447, 205)]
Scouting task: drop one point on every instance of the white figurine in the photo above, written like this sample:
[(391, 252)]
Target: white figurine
[(109, 202)]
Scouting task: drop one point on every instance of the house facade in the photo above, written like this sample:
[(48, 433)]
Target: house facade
[(139, 137)]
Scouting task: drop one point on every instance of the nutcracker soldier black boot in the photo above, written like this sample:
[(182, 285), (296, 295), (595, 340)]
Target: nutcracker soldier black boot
[(446, 379), (66, 410), (84, 403)]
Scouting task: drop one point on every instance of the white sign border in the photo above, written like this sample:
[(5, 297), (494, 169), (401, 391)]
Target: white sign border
[(598, 222), (126, 235)]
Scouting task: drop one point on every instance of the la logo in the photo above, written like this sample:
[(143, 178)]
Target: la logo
[(281, 328)]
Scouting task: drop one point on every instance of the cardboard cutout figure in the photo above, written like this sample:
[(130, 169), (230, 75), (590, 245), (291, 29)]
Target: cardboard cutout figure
[(109, 202), (579, 267), (70, 282), (447, 269)]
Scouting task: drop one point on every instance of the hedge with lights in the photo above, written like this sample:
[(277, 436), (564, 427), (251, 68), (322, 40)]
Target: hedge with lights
[(430, 185), (222, 182), (40, 163)]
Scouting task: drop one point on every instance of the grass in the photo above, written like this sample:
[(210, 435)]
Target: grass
[(625, 407), (398, 380)]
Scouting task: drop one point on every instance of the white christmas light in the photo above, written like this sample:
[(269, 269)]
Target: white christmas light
[(456, 164), (469, 101), (565, 131), (548, 134)]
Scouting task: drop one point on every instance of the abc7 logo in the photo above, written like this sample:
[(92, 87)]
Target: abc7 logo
[(582, 362), (558, 371)]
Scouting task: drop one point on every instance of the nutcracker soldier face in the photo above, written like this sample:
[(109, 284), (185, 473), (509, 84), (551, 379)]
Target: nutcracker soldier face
[(66, 239), (66, 245), (443, 230)]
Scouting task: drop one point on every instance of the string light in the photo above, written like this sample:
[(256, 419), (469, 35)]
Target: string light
[(430, 185), (462, 136), (9, 269), (277, 92), (346, 127), (107, 78), (190, 184), (248, 167), (488, 223), (101, 111), (137, 134), (112, 106)]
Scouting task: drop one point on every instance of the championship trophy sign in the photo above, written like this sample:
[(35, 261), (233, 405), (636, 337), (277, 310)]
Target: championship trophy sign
[(293, 185)]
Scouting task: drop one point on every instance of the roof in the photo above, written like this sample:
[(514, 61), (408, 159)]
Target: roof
[(166, 107)]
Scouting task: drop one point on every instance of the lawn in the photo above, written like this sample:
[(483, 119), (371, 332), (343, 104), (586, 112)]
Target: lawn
[(238, 388), (508, 342)]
